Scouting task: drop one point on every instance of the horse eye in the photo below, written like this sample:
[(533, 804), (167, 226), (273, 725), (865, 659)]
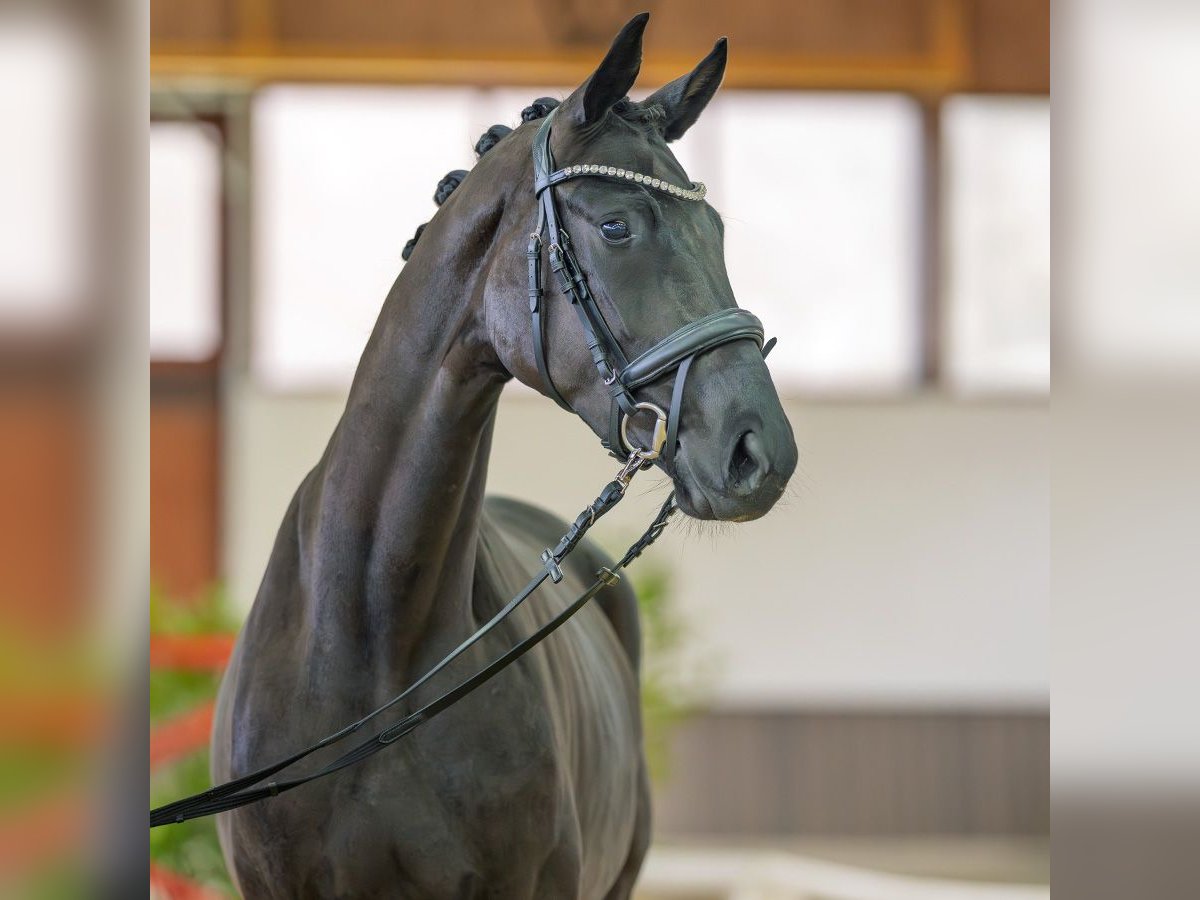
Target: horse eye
[(616, 230)]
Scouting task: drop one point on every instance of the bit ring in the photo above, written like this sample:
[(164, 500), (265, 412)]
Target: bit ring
[(658, 437)]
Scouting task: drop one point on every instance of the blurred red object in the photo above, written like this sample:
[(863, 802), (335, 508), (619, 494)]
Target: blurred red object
[(190, 652), (168, 885), (181, 735)]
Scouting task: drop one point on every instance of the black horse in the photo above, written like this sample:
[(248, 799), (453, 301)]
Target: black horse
[(389, 553)]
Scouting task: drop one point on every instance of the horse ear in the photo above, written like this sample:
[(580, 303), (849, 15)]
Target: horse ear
[(685, 98), (615, 75)]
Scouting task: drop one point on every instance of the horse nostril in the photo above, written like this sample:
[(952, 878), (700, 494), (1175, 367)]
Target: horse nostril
[(748, 464)]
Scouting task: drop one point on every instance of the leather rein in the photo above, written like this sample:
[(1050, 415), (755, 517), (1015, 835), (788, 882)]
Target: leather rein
[(673, 353)]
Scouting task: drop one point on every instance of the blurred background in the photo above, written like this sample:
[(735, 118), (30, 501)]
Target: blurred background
[(857, 683), (872, 730), (849, 697)]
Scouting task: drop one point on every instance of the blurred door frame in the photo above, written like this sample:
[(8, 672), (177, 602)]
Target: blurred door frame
[(185, 435)]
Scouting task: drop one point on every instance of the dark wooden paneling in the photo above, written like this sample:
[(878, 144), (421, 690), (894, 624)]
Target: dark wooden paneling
[(912, 45), (977, 45), (185, 439), (214, 21), (826, 27), (184, 487), (1009, 45), (858, 773), (46, 500)]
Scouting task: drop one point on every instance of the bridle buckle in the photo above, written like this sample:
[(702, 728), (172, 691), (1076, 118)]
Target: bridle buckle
[(632, 466), (657, 438)]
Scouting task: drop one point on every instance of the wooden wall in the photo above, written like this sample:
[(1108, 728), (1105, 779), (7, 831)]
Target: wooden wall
[(858, 773), (185, 447), (917, 45), (185, 485), (48, 496)]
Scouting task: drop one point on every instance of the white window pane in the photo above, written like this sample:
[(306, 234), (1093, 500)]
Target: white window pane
[(342, 178), (820, 196), (996, 243), (1130, 271), (341, 181), (44, 152), (185, 241)]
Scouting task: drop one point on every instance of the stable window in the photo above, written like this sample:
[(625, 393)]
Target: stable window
[(46, 188), (342, 178), (995, 244), (185, 241), (821, 202), (820, 195)]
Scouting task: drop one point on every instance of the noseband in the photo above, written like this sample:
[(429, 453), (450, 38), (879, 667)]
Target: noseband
[(674, 353)]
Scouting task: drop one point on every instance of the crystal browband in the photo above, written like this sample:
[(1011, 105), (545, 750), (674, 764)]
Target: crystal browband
[(695, 193)]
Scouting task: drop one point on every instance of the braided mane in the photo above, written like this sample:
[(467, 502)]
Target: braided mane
[(539, 109)]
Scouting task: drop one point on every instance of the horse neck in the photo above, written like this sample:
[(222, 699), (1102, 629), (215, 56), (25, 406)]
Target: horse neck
[(393, 521)]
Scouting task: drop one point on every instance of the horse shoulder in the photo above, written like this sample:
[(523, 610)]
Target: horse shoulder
[(618, 602)]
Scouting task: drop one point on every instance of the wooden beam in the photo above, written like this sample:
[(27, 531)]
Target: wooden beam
[(191, 64), (951, 40), (255, 25)]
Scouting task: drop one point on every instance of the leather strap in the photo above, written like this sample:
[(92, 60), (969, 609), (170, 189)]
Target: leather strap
[(602, 344), (696, 337), (675, 412), (675, 416), (249, 788), (674, 352), (537, 312)]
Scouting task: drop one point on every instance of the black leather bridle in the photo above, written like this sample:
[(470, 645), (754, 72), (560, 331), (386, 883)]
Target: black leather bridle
[(674, 353)]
